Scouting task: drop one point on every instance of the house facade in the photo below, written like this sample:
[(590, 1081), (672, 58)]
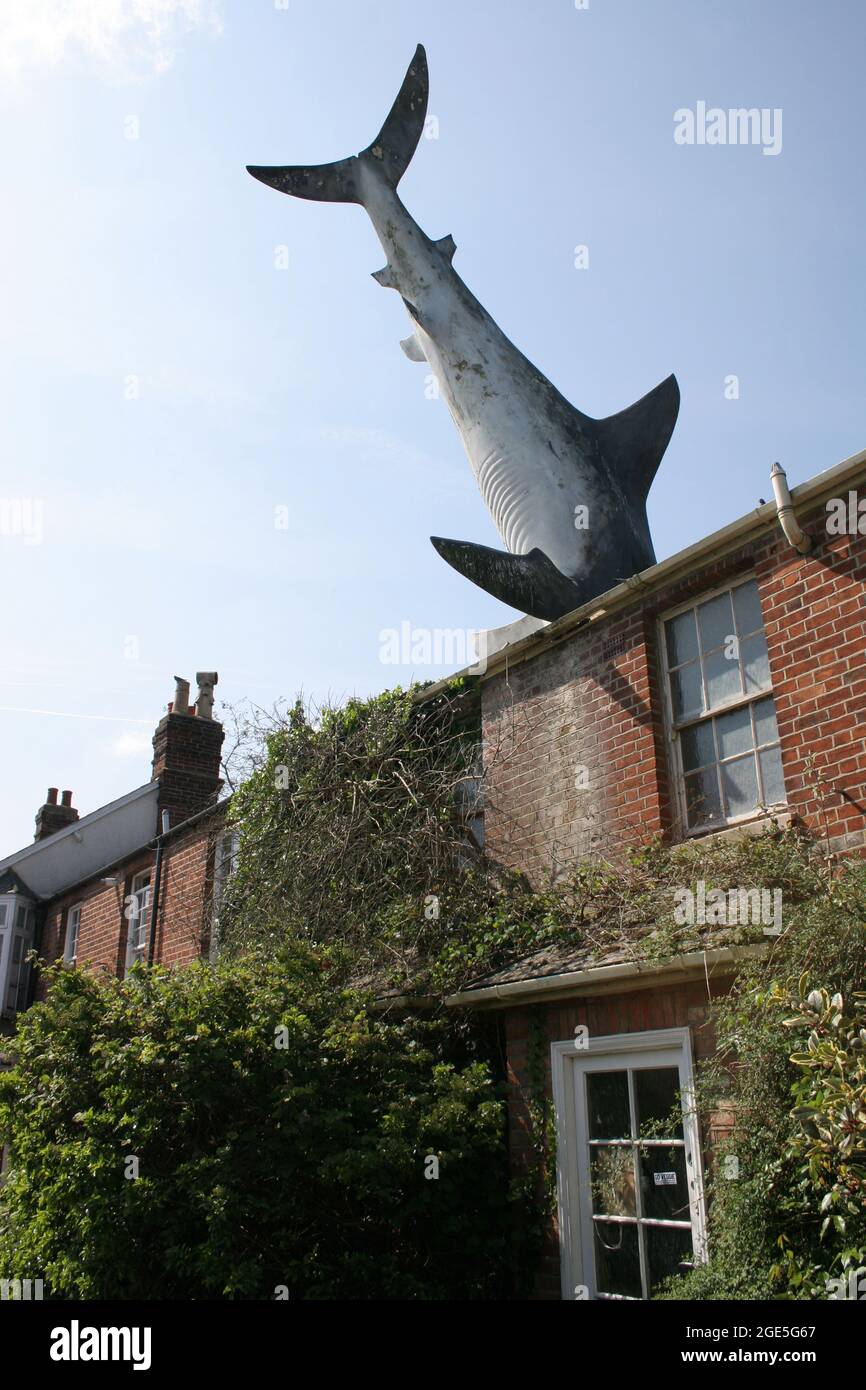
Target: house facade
[(135, 880), (720, 692)]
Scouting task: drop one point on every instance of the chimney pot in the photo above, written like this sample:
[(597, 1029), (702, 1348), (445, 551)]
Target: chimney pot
[(50, 817), (186, 752), (180, 704)]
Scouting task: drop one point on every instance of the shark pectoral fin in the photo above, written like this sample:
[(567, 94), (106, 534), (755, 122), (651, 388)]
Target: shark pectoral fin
[(530, 583), (447, 245), (413, 349), (634, 441)]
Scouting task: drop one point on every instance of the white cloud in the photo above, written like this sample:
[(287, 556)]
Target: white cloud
[(132, 745), (127, 40)]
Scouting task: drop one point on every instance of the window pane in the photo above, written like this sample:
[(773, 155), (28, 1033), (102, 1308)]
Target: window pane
[(756, 667), (669, 1251), (716, 621), (2, 914), (607, 1105), (702, 799), (722, 676), (682, 638), (613, 1180), (665, 1184), (687, 696), (734, 732), (698, 746), (747, 607), (740, 781), (771, 773), (657, 1095), (766, 728), (617, 1266)]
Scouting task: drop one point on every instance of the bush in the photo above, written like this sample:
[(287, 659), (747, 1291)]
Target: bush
[(790, 1070), (222, 1132)]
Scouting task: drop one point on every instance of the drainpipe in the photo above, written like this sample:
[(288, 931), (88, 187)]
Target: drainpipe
[(794, 533), (157, 877)]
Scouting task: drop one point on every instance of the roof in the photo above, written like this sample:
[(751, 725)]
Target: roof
[(81, 850), (11, 883), (555, 972), (524, 639)]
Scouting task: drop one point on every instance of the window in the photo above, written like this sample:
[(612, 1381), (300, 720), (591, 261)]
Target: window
[(17, 921), (225, 863), (721, 710), (73, 920), (137, 913), (628, 1159), (470, 797)]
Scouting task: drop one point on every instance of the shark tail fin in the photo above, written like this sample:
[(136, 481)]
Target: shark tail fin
[(634, 441), (391, 151), (530, 583)]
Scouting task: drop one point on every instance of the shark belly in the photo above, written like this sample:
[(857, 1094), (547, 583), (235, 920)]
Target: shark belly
[(532, 478)]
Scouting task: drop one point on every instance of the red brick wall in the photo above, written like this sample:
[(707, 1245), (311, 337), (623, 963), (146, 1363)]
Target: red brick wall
[(183, 911), (675, 1006), (183, 918), (595, 702), (102, 927), (186, 759)]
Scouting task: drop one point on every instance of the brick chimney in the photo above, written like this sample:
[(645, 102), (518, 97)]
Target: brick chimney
[(50, 818), (186, 751)]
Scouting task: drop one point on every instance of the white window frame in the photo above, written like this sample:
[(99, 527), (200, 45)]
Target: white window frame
[(16, 935), (73, 916), (577, 1266), (672, 733), (138, 922), (225, 863)]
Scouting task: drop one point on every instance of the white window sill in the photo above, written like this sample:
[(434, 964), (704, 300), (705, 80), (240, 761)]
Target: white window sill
[(749, 826)]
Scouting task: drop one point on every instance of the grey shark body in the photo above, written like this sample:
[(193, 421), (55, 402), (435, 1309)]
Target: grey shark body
[(567, 493)]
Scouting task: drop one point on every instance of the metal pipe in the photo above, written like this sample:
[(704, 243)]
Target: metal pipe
[(794, 533), (157, 877)]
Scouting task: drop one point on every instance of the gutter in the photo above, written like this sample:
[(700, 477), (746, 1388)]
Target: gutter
[(151, 844), (629, 975), (807, 496)]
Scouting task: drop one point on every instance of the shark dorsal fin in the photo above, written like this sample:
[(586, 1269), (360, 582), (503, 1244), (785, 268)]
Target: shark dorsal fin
[(447, 245), (633, 441)]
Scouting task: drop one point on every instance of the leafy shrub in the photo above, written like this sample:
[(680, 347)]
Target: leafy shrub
[(259, 1165), (793, 1217)]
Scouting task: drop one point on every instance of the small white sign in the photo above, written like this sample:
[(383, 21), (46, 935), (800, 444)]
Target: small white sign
[(665, 1179)]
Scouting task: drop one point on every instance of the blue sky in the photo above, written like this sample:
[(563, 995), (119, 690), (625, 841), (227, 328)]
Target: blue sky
[(166, 387)]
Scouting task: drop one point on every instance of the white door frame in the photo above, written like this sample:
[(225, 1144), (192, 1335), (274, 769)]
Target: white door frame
[(573, 1241)]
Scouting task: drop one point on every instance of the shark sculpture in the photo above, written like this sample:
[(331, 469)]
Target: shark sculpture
[(567, 493)]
